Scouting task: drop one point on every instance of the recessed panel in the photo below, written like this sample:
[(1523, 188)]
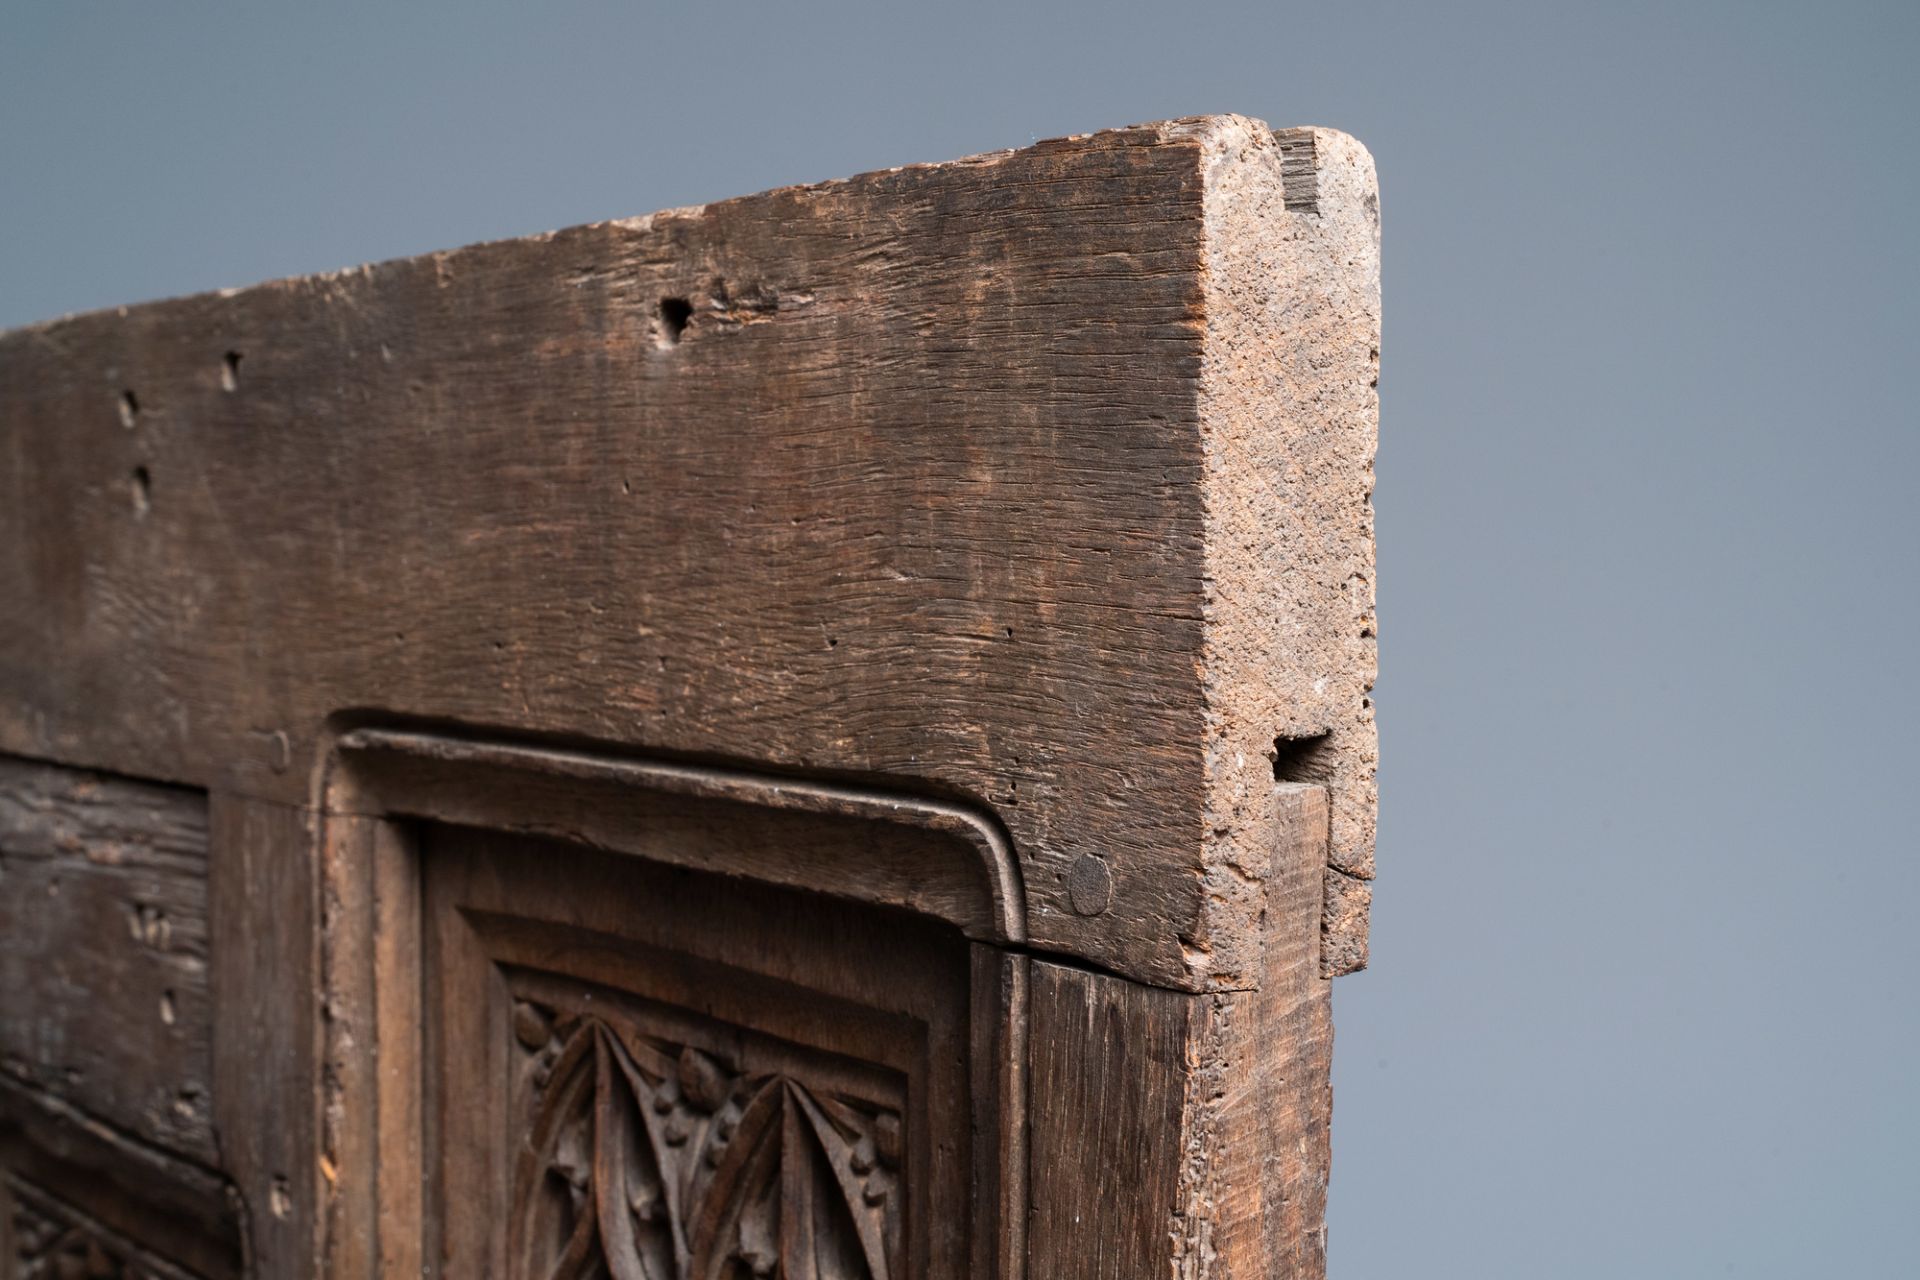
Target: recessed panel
[(666, 1073)]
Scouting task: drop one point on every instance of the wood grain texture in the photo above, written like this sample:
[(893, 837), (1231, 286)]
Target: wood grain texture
[(96, 1192), (47, 1238), (266, 1027), (1260, 1100), (934, 857), (1037, 480), (103, 950), (1187, 1134), (848, 705), (1108, 1073), (583, 870), (847, 1025)]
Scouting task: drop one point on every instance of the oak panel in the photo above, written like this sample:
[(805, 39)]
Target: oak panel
[(690, 1071), (103, 950)]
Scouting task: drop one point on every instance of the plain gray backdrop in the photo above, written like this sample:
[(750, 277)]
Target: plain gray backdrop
[(1643, 994)]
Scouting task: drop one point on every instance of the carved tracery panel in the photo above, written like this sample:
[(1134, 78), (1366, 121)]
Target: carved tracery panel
[(672, 1075), (649, 1159)]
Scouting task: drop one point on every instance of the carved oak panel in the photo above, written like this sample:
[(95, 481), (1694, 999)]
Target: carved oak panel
[(658, 1159), (670, 1074)]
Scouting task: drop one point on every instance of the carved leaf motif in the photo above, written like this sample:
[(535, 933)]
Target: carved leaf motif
[(651, 1160)]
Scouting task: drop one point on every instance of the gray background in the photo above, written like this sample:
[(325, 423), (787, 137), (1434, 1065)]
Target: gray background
[(1643, 1000)]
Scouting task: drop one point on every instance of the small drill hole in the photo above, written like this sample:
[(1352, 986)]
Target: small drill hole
[(129, 409), (141, 486), (230, 372), (674, 315), (1307, 758)]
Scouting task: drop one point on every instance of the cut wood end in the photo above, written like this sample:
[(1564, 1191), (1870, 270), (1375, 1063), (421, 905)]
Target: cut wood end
[(1290, 413)]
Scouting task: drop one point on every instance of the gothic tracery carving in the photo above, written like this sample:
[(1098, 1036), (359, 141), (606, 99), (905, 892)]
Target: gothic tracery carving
[(648, 1159)]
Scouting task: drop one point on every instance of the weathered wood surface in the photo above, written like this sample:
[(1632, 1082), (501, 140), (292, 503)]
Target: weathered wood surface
[(826, 732), (78, 1197), (728, 1009), (268, 1008), (103, 950), (1216, 1106), (930, 856), (1039, 479)]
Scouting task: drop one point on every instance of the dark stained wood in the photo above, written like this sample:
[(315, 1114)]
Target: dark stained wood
[(1005, 479), (86, 1190), (103, 950), (46, 1235), (852, 1023), (825, 734), (884, 848), (267, 1008), (1186, 1135), (999, 1090), (107, 1144), (1108, 1078), (936, 857)]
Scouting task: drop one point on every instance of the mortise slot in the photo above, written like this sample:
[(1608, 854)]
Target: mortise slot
[(141, 486), (672, 320), (1304, 757), (129, 409), (230, 372)]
